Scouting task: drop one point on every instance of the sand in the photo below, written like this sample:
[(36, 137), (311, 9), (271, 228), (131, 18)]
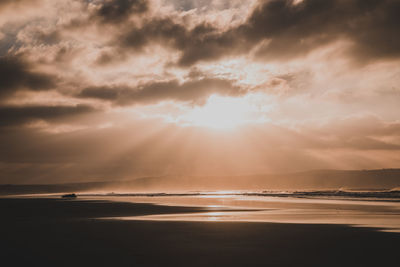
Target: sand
[(56, 232)]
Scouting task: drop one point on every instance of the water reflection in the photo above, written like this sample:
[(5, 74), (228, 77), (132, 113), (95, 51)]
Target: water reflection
[(385, 215), (214, 216)]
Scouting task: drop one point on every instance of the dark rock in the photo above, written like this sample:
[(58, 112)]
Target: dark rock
[(69, 196)]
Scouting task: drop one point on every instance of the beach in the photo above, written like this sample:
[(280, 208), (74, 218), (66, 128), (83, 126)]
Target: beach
[(81, 232)]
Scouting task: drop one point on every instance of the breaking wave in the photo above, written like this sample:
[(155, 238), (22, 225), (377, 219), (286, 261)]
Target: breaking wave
[(387, 194)]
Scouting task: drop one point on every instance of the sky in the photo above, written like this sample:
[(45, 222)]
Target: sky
[(94, 90)]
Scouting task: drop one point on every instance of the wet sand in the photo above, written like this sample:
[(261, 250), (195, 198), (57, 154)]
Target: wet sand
[(56, 232)]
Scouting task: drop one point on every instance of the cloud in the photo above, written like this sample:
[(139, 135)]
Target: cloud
[(5, 3), (280, 29), (17, 75), (63, 59), (298, 29), (116, 11), (277, 30), (358, 132), (194, 91), (202, 42), (19, 115)]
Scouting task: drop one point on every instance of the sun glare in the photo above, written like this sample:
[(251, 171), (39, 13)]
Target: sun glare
[(226, 112)]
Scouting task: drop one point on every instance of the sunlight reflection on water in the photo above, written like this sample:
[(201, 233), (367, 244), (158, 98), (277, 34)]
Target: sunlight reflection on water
[(378, 214)]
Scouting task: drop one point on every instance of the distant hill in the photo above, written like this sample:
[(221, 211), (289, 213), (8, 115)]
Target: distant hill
[(307, 180)]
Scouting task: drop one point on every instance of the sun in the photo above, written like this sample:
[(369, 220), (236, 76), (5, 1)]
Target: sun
[(222, 112)]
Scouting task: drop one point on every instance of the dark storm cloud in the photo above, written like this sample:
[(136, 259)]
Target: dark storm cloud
[(283, 29), (16, 74), (195, 91), (116, 11), (18, 115)]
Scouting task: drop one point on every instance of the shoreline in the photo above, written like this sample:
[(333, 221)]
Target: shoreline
[(56, 232)]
